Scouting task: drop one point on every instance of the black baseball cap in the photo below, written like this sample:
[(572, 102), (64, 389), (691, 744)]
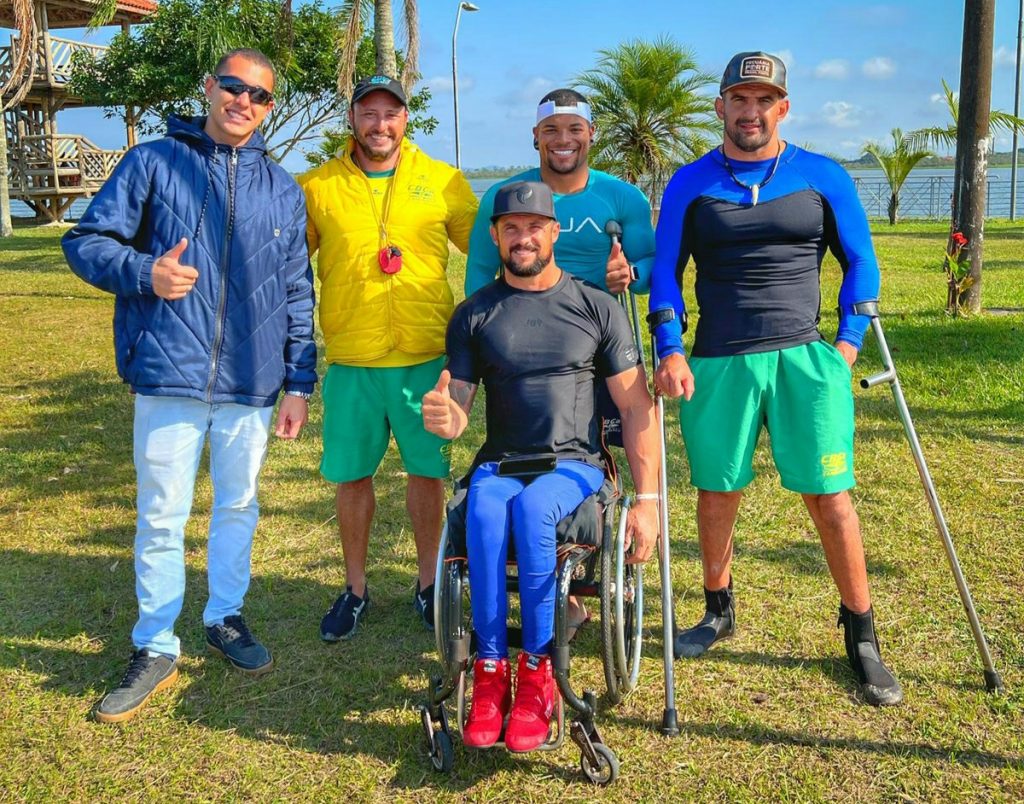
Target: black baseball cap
[(378, 82), (524, 198), (754, 67)]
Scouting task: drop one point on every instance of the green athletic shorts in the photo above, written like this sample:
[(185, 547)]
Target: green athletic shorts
[(801, 394), (364, 405)]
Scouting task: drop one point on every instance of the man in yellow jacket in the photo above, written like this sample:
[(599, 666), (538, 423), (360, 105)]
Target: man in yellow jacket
[(381, 214)]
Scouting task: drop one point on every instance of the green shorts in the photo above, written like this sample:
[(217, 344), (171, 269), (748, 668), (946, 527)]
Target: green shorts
[(364, 405), (801, 394)]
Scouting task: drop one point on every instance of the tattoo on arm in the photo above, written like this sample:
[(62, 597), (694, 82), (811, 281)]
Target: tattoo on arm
[(463, 393)]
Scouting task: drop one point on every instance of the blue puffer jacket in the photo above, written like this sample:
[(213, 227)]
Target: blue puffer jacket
[(246, 327)]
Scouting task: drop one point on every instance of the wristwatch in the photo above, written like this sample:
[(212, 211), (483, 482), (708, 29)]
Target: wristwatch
[(300, 394), (658, 317)]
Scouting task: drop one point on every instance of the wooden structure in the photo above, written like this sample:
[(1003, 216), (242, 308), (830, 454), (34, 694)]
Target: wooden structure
[(49, 171)]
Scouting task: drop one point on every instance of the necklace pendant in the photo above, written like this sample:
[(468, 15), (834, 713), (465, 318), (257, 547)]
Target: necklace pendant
[(755, 190)]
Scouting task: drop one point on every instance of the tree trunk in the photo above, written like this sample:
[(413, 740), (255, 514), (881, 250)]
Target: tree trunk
[(6, 227), (894, 205), (384, 38), (972, 140)]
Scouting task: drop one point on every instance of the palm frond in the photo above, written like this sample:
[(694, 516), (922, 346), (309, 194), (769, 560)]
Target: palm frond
[(410, 69)]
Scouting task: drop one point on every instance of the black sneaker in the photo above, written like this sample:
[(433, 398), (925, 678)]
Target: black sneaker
[(234, 641), (343, 618), (148, 672), (877, 683), (423, 602), (718, 623)]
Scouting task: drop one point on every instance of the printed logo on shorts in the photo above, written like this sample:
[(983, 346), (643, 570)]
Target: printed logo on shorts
[(446, 450), (834, 464)]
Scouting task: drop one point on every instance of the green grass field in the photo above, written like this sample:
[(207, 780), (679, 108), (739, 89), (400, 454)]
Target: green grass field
[(770, 715)]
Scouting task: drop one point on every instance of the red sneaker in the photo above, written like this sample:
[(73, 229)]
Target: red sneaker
[(536, 694), (492, 698)]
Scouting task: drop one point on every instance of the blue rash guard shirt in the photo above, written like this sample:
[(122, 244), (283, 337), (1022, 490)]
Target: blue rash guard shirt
[(583, 247), (758, 266)]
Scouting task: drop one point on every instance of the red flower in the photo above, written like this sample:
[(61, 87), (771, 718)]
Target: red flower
[(959, 241)]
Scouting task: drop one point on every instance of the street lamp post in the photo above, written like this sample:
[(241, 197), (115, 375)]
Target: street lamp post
[(1016, 113), (463, 6)]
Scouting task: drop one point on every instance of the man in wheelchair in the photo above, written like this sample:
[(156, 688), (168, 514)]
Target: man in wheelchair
[(540, 340)]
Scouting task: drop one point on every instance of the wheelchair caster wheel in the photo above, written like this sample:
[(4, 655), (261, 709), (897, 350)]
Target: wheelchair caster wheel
[(442, 757), (607, 769)]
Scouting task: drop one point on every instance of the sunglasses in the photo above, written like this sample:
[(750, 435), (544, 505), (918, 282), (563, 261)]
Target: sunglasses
[(237, 87)]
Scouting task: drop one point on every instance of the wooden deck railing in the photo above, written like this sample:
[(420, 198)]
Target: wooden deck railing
[(66, 163), (62, 52)]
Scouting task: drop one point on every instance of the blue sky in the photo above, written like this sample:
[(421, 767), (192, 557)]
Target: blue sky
[(856, 70)]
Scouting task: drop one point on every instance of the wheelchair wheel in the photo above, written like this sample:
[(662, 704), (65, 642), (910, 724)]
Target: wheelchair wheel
[(607, 769), (442, 757), (450, 619), (621, 610)]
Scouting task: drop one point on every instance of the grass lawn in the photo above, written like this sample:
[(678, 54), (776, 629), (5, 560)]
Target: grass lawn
[(771, 714)]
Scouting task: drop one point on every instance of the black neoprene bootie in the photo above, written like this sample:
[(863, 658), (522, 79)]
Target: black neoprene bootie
[(877, 683), (718, 623)]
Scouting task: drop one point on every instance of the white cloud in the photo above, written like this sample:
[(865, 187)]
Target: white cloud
[(833, 69), (442, 84), (521, 102), (841, 114), (879, 68), (787, 58), (1004, 57)]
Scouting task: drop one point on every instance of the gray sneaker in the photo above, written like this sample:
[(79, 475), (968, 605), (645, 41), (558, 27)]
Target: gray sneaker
[(234, 641), (148, 672)]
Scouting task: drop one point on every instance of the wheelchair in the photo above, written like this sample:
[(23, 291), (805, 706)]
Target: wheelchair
[(591, 562)]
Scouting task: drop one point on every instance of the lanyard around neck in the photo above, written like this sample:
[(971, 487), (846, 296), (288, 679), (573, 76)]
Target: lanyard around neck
[(383, 215)]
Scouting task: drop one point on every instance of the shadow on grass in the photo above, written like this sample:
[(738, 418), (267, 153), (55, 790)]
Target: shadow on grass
[(767, 736), (355, 698)]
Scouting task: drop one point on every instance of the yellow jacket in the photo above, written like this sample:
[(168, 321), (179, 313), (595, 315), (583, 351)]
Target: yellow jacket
[(370, 318)]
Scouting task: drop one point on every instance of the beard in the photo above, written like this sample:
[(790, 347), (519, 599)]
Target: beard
[(749, 142), (527, 269), (566, 168), (376, 153)]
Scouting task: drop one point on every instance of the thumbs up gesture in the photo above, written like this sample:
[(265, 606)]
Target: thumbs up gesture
[(439, 417), (617, 274), (171, 279)]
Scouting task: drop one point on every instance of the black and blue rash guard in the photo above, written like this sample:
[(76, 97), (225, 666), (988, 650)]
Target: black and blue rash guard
[(758, 266)]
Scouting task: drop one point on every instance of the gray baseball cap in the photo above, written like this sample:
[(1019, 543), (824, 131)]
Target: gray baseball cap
[(524, 198), (754, 67)]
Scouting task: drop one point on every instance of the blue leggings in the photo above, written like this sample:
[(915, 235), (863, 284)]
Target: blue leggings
[(498, 506)]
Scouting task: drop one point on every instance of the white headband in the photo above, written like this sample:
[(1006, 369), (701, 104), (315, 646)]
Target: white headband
[(549, 108)]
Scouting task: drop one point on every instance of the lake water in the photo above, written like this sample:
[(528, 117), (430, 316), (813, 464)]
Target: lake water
[(925, 195)]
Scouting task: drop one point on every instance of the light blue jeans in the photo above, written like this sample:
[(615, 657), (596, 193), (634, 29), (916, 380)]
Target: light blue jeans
[(169, 436)]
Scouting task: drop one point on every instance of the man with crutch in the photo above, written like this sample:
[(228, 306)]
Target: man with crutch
[(757, 214), (587, 202)]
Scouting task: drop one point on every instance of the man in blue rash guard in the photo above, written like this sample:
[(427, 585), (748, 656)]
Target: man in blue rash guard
[(585, 200), (756, 215)]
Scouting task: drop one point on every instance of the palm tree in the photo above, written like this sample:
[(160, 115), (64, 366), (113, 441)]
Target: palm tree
[(896, 163), (945, 136), (23, 65), (649, 109), (354, 13)]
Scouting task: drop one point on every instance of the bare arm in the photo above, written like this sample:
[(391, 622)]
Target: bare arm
[(643, 451), (446, 408)]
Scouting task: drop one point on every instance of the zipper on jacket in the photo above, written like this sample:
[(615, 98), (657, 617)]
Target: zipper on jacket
[(218, 330)]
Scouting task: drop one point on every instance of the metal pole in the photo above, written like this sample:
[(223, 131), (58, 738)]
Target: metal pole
[(1016, 113), (992, 680), (455, 76)]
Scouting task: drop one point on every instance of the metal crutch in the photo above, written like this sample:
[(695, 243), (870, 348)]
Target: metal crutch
[(870, 308), (669, 720)]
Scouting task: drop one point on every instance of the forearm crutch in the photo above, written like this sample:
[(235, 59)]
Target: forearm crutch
[(870, 308), (669, 721)]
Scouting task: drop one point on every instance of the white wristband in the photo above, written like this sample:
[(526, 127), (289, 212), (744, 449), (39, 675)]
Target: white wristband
[(652, 496)]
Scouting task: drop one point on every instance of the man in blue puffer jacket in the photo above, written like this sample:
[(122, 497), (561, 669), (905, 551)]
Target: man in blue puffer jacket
[(201, 237)]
